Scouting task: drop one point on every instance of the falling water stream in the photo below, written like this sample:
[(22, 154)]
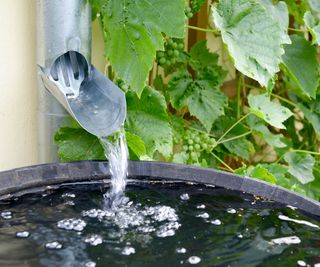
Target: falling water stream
[(116, 151)]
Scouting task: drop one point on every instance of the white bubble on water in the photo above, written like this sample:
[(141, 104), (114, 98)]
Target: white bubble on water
[(163, 213), (65, 195), (23, 234), (128, 251), (7, 215), (201, 206), (72, 224), (194, 260), (181, 250), (203, 215), (231, 211), (185, 196), (216, 222), (168, 229), (286, 240), (90, 264), (301, 263), (53, 245), (93, 240)]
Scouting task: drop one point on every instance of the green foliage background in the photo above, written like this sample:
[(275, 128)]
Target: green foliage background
[(178, 109)]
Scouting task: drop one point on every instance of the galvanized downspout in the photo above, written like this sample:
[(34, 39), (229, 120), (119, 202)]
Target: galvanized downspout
[(62, 26)]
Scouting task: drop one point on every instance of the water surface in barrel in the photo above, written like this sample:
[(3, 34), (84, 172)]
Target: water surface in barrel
[(161, 224)]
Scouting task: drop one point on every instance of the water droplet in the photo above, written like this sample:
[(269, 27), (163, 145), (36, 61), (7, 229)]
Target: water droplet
[(231, 211), (53, 245), (239, 235), (94, 240), (203, 215), (216, 222), (7, 215), (181, 250), (128, 251), (194, 260), (23, 234), (185, 196)]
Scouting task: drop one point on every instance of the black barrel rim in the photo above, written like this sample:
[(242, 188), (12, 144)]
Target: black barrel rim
[(34, 178)]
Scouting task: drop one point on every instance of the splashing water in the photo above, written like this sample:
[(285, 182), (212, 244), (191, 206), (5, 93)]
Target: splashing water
[(117, 153)]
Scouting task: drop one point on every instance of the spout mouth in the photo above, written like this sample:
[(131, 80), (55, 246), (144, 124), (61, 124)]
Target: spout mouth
[(94, 101), (100, 107)]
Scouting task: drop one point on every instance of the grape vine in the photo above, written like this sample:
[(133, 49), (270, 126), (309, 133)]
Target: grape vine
[(255, 113)]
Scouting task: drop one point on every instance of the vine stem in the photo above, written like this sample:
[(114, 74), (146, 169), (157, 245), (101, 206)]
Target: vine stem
[(239, 85), (296, 30), (202, 29), (285, 100), (234, 138), (222, 162), (234, 125), (305, 151)]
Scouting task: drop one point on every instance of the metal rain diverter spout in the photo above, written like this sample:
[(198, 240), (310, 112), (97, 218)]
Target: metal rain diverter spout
[(96, 103)]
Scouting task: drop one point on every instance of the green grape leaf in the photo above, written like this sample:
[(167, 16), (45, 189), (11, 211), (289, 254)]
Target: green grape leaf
[(133, 33), (263, 174), (147, 118), (277, 170), (300, 166), (312, 116), (181, 158), (258, 126), (240, 147), (177, 125), (314, 27), (206, 103), (135, 144), (300, 63), (270, 112), (253, 36), (201, 57), (297, 9), (96, 6), (258, 172), (280, 13), (314, 5), (77, 144), (178, 88)]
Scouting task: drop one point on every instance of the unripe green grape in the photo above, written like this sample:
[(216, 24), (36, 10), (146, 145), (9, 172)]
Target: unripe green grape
[(190, 141), (180, 46), (204, 146), (176, 53), (189, 15), (190, 148), (194, 156), (197, 147), (185, 148), (173, 60), (160, 54), (162, 61), (197, 139), (170, 52), (170, 41), (174, 45)]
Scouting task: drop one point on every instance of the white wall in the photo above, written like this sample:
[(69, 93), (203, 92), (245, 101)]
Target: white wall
[(18, 88)]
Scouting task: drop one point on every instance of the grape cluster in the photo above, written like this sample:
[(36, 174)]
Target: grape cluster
[(173, 48), (188, 12), (195, 142), (196, 5)]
